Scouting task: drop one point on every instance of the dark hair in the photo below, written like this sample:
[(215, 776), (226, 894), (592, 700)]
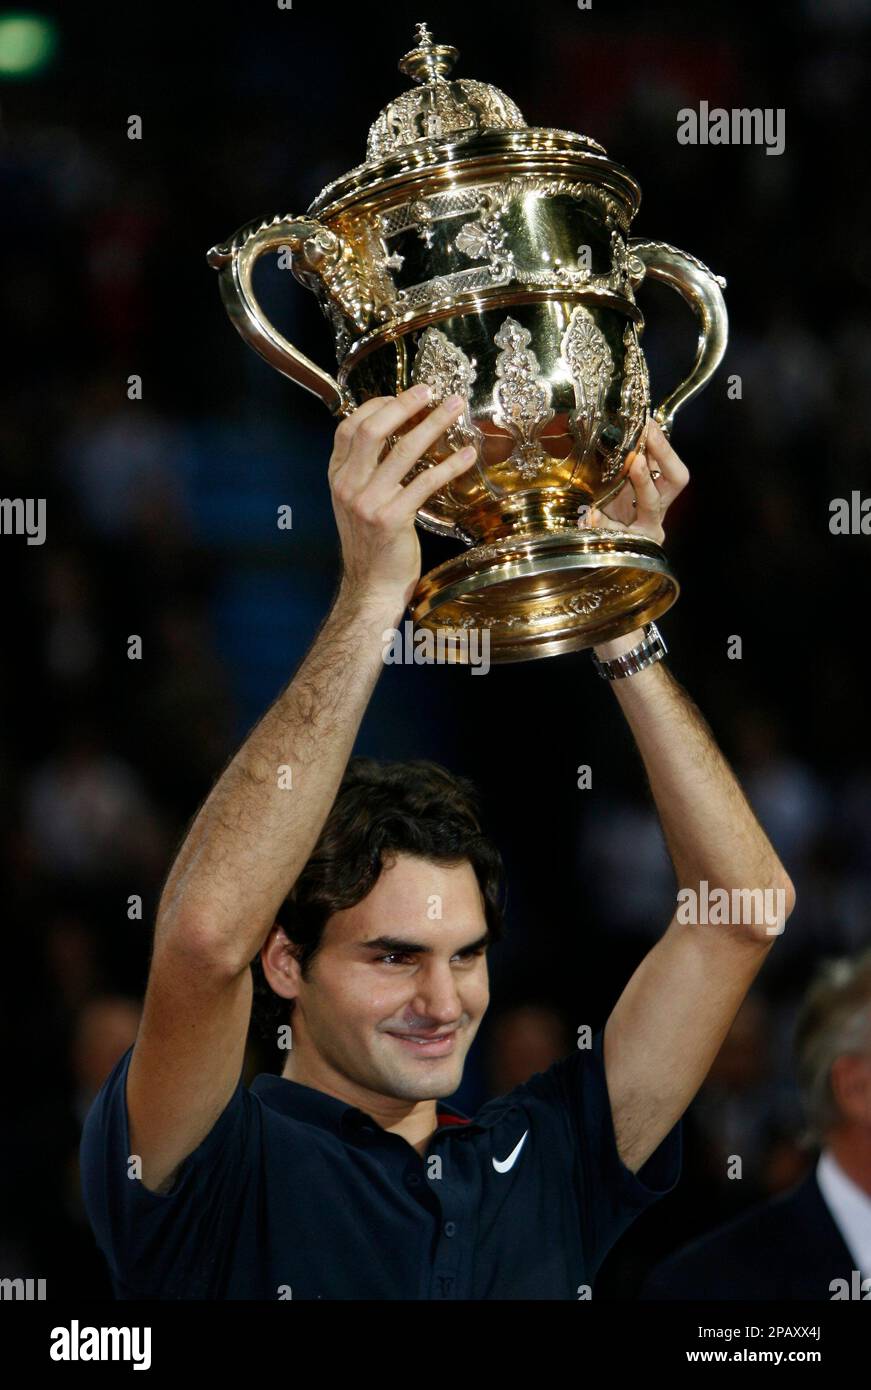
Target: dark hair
[(415, 807)]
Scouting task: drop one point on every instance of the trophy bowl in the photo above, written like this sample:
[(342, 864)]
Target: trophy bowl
[(490, 258)]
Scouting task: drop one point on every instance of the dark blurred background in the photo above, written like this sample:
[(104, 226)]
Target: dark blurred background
[(161, 523)]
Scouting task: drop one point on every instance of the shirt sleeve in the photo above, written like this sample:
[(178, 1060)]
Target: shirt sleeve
[(612, 1196), (156, 1243)]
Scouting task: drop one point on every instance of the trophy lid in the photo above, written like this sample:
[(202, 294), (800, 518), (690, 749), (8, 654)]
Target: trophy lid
[(438, 110)]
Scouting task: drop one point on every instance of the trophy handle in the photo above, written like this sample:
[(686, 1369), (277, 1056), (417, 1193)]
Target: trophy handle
[(701, 289), (314, 245)]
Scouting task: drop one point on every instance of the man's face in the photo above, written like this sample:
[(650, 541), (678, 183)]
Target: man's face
[(408, 959)]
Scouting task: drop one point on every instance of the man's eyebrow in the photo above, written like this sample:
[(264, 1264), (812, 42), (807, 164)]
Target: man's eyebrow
[(399, 943)]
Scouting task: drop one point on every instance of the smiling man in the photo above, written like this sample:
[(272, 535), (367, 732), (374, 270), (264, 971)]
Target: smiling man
[(366, 897), (384, 1002)]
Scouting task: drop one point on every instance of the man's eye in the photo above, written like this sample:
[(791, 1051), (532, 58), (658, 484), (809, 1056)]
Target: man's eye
[(466, 957)]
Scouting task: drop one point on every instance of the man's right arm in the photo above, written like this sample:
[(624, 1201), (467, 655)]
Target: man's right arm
[(256, 830), (260, 823)]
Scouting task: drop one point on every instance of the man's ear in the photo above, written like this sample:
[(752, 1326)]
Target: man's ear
[(279, 963)]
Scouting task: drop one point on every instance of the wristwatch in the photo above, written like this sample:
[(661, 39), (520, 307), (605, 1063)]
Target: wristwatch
[(652, 649)]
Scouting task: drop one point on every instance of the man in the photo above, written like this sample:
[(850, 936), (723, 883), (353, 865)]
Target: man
[(813, 1242), (344, 1178)]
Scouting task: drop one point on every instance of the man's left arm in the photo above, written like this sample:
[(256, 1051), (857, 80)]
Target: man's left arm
[(672, 1018)]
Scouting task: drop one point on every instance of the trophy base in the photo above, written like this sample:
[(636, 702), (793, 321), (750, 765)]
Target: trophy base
[(542, 594)]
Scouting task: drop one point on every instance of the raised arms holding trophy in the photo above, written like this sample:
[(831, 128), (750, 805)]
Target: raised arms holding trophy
[(491, 387), (331, 881)]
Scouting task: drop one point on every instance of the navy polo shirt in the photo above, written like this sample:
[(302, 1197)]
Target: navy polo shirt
[(296, 1195)]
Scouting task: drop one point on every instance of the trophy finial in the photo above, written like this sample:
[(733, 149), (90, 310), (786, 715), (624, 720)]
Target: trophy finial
[(428, 62)]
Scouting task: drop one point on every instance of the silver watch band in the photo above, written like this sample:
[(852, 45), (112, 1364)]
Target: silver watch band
[(652, 649)]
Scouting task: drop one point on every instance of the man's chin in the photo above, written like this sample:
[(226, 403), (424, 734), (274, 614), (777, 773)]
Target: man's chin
[(424, 1080)]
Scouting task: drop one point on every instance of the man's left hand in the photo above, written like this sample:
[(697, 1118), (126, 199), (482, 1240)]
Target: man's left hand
[(656, 477)]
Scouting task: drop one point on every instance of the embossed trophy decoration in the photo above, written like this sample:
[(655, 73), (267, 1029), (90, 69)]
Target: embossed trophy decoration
[(484, 256)]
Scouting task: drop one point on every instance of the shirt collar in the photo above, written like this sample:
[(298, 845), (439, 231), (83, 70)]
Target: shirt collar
[(316, 1107), (850, 1208)]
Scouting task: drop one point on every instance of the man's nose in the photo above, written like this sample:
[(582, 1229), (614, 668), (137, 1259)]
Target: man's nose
[(437, 999)]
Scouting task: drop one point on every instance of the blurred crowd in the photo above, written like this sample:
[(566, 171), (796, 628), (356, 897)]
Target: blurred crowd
[(161, 526)]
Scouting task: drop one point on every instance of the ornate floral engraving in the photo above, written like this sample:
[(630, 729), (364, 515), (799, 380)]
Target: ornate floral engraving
[(634, 404), (340, 331), (485, 237), (438, 205), (635, 393), (422, 296), (422, 218), (619, 277), (585, 351), (590, 361), (356, 276), (441, 110), (576, 605), (496, 197), (474, 240), (446, 369), (485, 621), (521, 397), (494, 110), (614, 213), (495, 550), (587, 601)]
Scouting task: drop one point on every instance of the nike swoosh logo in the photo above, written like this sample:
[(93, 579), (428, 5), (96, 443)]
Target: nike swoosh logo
[(504, 1164)]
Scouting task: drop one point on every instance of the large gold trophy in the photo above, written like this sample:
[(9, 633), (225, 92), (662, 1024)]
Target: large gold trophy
[(481, 255)]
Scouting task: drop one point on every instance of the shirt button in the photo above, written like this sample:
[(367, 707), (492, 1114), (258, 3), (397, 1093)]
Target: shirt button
[(450, 1228)]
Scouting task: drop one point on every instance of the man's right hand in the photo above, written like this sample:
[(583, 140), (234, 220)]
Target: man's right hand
[(374, 511)]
